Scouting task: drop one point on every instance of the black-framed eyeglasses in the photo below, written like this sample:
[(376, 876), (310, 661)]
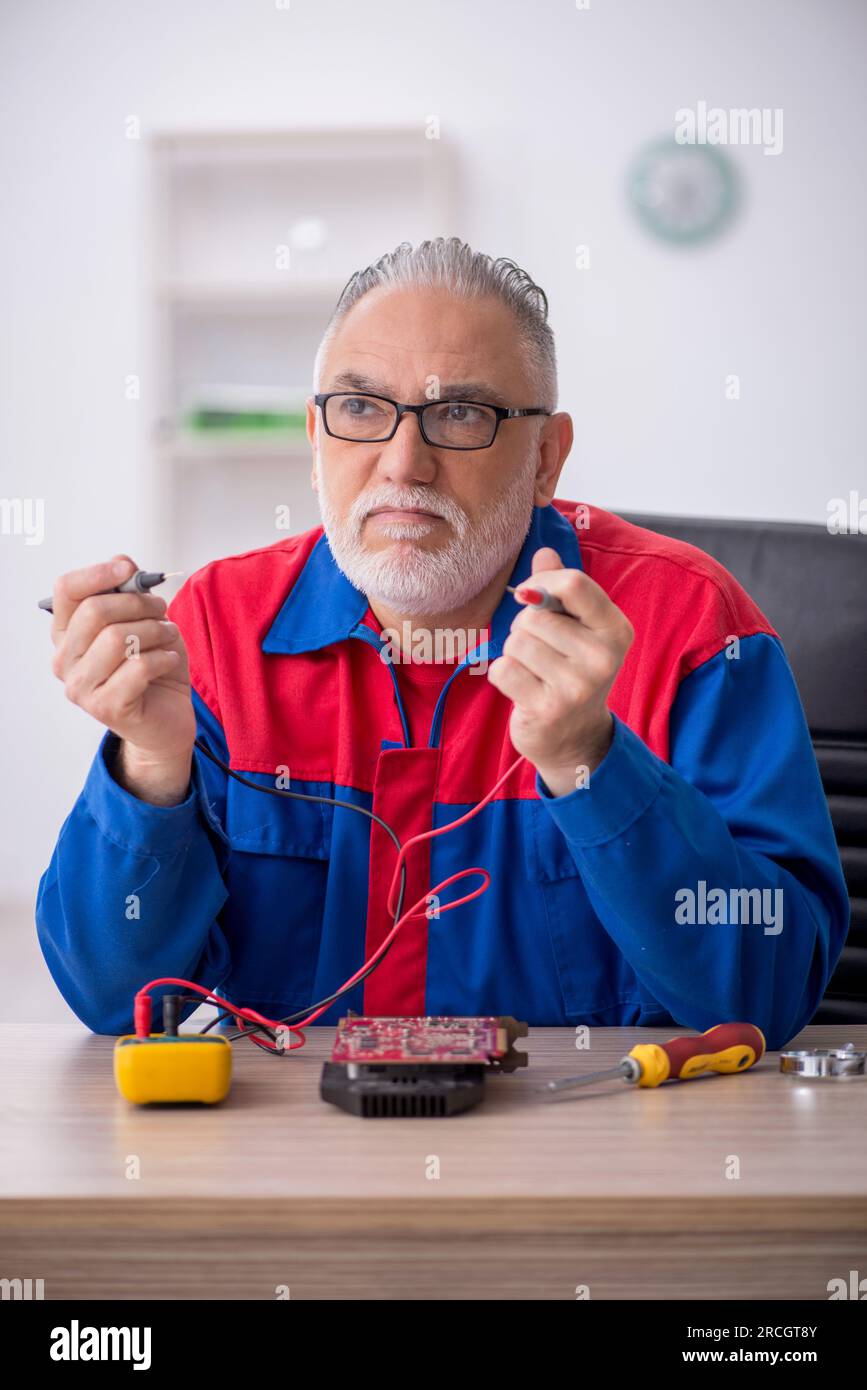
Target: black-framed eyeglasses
[(361, 418)]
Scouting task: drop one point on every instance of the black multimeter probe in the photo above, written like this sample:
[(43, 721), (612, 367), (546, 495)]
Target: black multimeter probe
[(139, 583)]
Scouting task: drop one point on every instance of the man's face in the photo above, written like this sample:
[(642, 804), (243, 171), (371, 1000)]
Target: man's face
[(422, 528)]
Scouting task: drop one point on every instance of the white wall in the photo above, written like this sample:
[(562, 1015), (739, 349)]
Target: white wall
[(547, 104)]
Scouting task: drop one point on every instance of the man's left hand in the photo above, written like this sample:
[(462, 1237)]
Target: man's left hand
[(558, 671)]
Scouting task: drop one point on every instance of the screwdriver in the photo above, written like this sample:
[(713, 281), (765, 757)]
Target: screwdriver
[(729, 1047), (139, 583), (538, 598)]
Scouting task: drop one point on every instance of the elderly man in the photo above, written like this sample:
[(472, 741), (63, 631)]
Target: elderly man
[(663, 853)]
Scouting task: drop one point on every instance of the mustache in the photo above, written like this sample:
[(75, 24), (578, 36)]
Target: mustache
[(418, 500)]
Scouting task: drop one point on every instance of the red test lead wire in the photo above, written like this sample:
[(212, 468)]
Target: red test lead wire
[(142, 1008)]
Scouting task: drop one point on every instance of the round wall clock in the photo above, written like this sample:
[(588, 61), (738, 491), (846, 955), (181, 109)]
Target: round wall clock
[(683, 193)]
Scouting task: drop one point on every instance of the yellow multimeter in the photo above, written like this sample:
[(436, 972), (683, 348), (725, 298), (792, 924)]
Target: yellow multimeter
[(166, 1067)]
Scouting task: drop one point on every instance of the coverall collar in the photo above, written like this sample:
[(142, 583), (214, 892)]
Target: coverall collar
[(323, 606)]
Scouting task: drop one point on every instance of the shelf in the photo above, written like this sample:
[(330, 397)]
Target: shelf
[(270, 295), (181, 446), (322, 144)]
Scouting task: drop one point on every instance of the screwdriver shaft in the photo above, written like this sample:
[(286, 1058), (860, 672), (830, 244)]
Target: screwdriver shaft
[(567, 1083)]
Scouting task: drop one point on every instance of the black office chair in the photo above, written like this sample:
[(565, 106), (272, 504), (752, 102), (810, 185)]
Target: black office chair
[(812, 586)]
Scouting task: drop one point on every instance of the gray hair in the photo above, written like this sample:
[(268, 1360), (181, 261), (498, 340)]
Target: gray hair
[(451, 264)]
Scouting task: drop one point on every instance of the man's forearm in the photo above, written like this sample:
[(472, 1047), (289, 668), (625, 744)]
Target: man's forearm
[(560, 781), (158, 782)]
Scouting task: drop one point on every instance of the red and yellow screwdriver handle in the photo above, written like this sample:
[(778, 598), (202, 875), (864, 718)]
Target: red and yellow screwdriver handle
[(729, 1047)]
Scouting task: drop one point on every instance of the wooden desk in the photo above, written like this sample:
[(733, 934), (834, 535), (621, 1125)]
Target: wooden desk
[(616, 1188)]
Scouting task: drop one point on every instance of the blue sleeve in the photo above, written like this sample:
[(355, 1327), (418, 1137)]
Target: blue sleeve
[(717, 874), (133, 891)]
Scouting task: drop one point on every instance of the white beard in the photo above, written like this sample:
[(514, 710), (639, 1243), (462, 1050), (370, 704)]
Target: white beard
[(416, 581)]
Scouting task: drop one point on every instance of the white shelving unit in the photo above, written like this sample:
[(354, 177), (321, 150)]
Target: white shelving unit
[(254, 236)]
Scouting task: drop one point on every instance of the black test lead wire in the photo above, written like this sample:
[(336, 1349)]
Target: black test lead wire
[(345, 989)]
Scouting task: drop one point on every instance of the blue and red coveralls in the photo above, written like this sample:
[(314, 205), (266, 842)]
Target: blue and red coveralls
[(710, 779)]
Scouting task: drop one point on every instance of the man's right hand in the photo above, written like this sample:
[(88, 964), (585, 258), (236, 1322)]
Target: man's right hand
[(126, 665)]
